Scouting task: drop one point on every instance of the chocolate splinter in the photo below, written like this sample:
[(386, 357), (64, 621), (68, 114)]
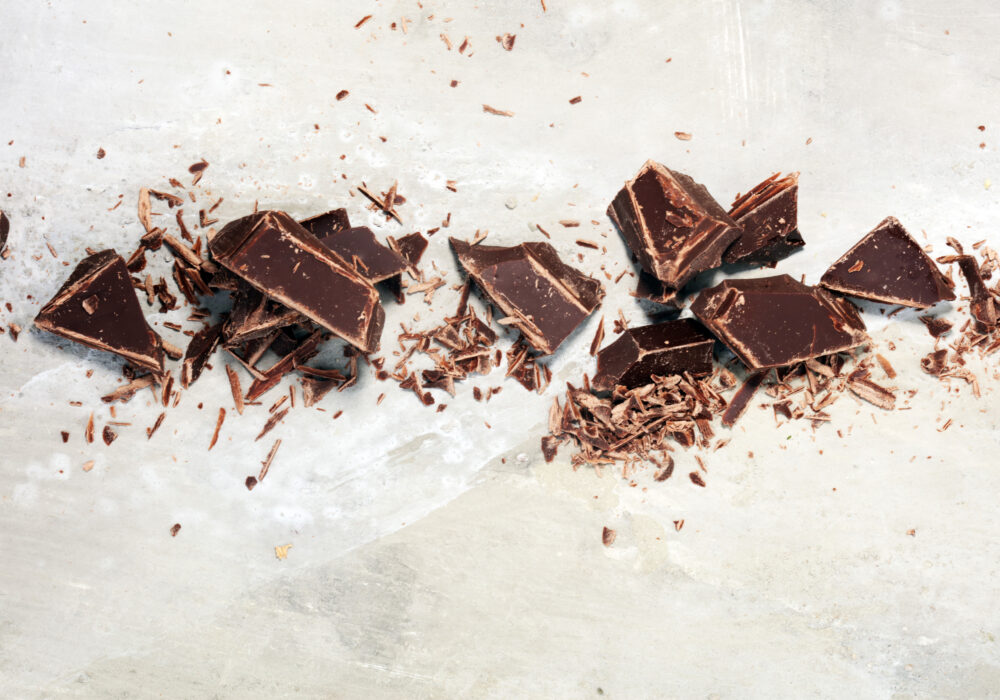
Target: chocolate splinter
[(768, 215), (542, 297), (278, 256), (97, 306), (672, 224), (672, 347), (888, 266), (199, 350), (4, 230), (776, 321), (982, 306)]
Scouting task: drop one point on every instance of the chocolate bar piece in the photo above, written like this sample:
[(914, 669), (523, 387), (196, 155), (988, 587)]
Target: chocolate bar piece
[(324, 225), (672, 347), (359, 247), (652, 289), (982, 306), (255, 316), (97, 306), (776, 321), (198, 351), (542, 297), (672, 224), (888, 266), (411, 247), (275, 254), (768, 215), (4, 230)]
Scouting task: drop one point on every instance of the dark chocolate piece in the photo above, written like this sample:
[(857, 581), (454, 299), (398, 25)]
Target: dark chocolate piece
[(254, 316), (198, 351), (4, 230), (359, 247), (888, 266), (542, 297), (936, 326), (315, 388), (672, 224), (411, 247), (982, 305), (324, 225), (768, 215), (287, 263), (776, 321), (741, 399), (97, 306), (672, 347), (652, 289)]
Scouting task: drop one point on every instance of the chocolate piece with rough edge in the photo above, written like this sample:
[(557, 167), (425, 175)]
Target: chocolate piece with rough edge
[(652, 289), (97, 306), (768, 215), (411, 247), (275, 254), (672, 224), (777, 321), (4, 230), (888, 266), (327, 224), (982, 304), (359, 247), (255, 316), (672, 347), (198, 351), (542, 296)]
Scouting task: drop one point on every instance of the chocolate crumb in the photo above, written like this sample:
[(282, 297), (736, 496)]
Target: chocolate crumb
[(108, 435), (174, 529), (576, 100), (608, 536), (250, 482), (696, 479), (342, 94), (100, 153)]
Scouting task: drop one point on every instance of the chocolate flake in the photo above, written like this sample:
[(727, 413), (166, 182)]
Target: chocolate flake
[(608, 536), (218, 427)]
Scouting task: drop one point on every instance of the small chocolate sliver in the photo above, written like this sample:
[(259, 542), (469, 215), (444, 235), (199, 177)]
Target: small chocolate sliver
[(672, 224), (768, 216), (672, 347), (540, 295), (199, 350), (359, 247), (283, 260), (550, 445), (893, 269), (741, 400), (315, 388), (777, 321), (325, 225), (98, 306), (4, 230), (982, 306)]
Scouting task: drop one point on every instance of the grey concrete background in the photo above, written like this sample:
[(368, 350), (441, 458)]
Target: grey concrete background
[(434, 557)]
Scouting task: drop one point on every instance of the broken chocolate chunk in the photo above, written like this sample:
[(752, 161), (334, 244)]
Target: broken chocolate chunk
[(768, 215), (315, 388), (672, 224), (652, 289), (283, 260), (672, 347), (359, 247), (888, 266), (542, 297), (411, 247), (4, 230), (982, 306), (113, 322), (775, 321), (199, 350), (324, 225), (254, 316)]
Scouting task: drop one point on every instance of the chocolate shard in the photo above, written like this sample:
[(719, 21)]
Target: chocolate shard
[(283, 260), (541, 296), (254, 316), (652, 289), (359, 247), (888, 266), (4, 230), (776, 321), (982, 305), (199, 350), (768, 215), (315, 388), (672, 224), (411, 247), (672, 347), (327, 224), (97, 306)]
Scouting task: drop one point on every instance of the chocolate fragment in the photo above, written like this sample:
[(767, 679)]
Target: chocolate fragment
[(362, 250), (315, 388), (115, 321), (4, 230), (936, 326), (672, 224), (768, 215), (325, 225), (776, 321), (287, 263), (672, 347), (199, 350), (254, 316), (982, 306), (888, 266), (741, 400), (542, 297), (652, 289)]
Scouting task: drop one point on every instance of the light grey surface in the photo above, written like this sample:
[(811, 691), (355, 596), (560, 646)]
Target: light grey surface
[(433, 556)]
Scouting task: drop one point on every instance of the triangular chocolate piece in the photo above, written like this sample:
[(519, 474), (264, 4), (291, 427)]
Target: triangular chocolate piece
[(327, 224), (768, 215), (97, 306), (888, 266), (199, 350)]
